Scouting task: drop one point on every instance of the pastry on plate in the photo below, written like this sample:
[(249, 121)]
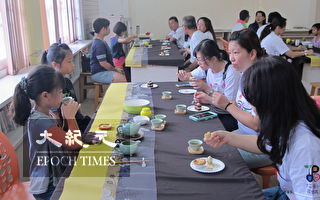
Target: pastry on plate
[(198, 106), (209, 163), (199, 161), (150, 84), (105, 126)]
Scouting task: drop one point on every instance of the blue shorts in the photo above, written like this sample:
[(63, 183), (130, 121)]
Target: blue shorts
[(103, 77)]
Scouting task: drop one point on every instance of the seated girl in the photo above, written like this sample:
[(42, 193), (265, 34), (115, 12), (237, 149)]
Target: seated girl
[(273, 43), (315, 30), (204, 25), (44, 87), (60, 57), (215, 74), (289, 130), (101, 63)]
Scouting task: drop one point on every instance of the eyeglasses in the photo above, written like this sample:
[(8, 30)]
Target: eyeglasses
[(202, 59)]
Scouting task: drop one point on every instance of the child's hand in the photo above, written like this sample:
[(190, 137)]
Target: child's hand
[(183, 75), (119, 70), (69, 110), (217, 138), (202, 97)]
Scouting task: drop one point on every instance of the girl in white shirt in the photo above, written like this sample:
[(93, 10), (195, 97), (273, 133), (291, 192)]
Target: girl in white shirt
[(204, 25), (289, 130), (214, 74), (273, 43)]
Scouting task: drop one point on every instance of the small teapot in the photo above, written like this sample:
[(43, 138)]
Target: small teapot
[(129, 147), (128, 129)]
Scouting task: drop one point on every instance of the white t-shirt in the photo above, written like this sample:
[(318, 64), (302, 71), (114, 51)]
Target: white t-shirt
[(179, 36), (304, 152), (244, 105), (274, 45), (260, 29), (237, 27), (228, 86), (209, 35), (196, 38)]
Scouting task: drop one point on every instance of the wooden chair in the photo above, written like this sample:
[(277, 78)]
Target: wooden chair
[(10, 187), (99, 92), (225, 43), (85, 85), (315, 86), (265, 173)]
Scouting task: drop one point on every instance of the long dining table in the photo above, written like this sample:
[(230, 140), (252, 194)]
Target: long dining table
[(168, 174)]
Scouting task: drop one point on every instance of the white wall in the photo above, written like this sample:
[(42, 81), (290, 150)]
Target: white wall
[(90, 11), (152, 15)]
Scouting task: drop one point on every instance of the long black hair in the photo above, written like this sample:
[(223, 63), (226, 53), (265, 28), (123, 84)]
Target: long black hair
[(55, 53), (274, 89), (209, 48), (209, 27), (263, 15), (277, 21), (42, 79), (248, 40), (98, 24)]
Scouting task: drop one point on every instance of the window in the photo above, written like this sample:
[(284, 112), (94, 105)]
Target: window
[(62, 20)]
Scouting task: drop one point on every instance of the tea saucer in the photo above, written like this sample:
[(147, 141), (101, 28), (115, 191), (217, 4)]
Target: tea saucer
[(145, 85), (187, 91), (193, 108), (218, 166), (135, 137)]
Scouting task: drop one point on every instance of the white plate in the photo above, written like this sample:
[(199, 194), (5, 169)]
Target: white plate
[(142, 120), (218, 166), (146, 86), (193, 108), (187, 91)]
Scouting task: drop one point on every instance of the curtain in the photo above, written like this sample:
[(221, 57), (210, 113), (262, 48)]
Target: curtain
[(18, 53)]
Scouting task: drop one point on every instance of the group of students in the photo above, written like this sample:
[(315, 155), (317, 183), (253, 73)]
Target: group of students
[(260, 98)]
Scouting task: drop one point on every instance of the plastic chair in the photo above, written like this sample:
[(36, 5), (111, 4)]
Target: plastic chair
[(265, 173), (10, 187), (225, 44)]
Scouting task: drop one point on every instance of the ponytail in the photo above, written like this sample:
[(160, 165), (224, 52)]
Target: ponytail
[(55, 53), (225, 56), (21, 106), (91, 33), (266, 31), (44, 59), (276, 21), (41, 79)]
